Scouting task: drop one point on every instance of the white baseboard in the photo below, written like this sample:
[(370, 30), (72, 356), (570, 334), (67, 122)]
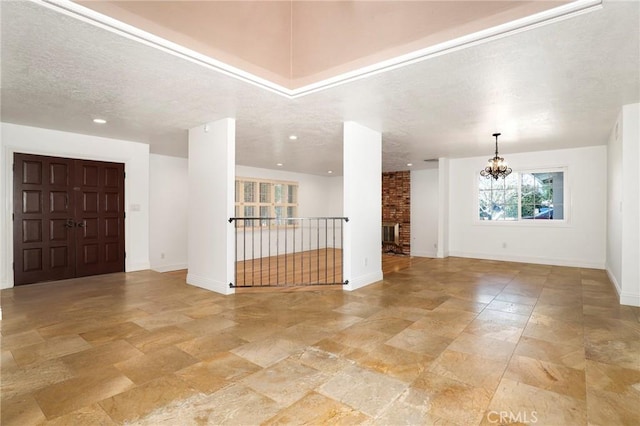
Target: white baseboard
[(363, 280), (209, 284), (137, 266), (577, 263), (630, 299), (613, 279), (169, 268), (421, 253)]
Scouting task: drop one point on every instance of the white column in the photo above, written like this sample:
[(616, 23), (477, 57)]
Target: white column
[(443, 208), (362, 205), (630, 294), (211, 204)]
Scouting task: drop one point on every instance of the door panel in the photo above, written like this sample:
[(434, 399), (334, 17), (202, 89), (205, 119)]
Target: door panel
[(68, 218), (99, 210), (42, 242)]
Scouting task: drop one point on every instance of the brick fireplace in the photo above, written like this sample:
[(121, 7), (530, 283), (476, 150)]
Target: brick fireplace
[(396, 207)]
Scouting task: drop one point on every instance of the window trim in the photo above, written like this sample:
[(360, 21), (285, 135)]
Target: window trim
[(565, 222)]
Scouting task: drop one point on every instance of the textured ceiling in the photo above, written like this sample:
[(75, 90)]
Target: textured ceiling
[(555, 86)]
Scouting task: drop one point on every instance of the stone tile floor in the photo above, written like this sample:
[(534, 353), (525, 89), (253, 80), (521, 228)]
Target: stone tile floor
[(445, 341)]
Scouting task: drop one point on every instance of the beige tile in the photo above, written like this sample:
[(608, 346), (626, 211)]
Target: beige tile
[(510, 307), (364, 390), (110, 333), (207, 346), (159, 338), (494, 330), (49, 349), (20, 410), (146, 367), (162, 319), (74, 393), (395, 362), (411, 408), (228, 406), (206, 325), (470, 369), (612, 408), (316, 409), (19, 381), (443, 322), (321, 360), (485, 347), (534, 405), (104, 355), (90, 415), (7, 362), (132, 404), (548, 376), (269, 351), (450, 399), (420, 342), (300, 380), (19, 340), (557, 353), (555, 331), (218, 371)]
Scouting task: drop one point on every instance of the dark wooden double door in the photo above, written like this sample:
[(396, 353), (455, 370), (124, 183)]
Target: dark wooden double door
[(68, 218)]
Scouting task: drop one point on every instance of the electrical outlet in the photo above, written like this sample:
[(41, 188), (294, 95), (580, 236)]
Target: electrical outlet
[(366, 261), (504, 245), (161, 255)]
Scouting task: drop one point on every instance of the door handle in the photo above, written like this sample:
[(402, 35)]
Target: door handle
[(69, 223), (80, 224)]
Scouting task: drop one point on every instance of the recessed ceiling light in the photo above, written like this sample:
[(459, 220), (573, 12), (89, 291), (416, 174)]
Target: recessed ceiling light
[(330, 171), (279, 164), (293, 137), (99, 120), (409, 164)]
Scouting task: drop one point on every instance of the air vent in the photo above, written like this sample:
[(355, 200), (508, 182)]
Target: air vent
[(431, 160)]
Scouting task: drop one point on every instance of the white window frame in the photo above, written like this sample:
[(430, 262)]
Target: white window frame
[(240, 203), (528, 222)]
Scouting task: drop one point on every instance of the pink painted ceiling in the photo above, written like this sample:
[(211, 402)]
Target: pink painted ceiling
[(295, 43)]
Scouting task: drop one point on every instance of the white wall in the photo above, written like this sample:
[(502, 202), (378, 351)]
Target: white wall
[(362, 204), (581, 241), (168, 198), (317, 195), (135, 156), (424, 212)]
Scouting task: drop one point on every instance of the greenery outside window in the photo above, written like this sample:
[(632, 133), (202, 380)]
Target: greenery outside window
[(265, 199), (523, 196)]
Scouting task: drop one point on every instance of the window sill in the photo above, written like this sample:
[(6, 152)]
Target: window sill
[(565, 223)]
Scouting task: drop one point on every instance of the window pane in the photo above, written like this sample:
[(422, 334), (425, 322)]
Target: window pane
[(264, 212), (279, 190), (265, 192), (511, 212), (542, 196), (292, 194), (249, 192), (291, 212), (237, 192)]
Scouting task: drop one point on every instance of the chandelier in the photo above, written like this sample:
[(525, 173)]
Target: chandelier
[(496, 167)]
